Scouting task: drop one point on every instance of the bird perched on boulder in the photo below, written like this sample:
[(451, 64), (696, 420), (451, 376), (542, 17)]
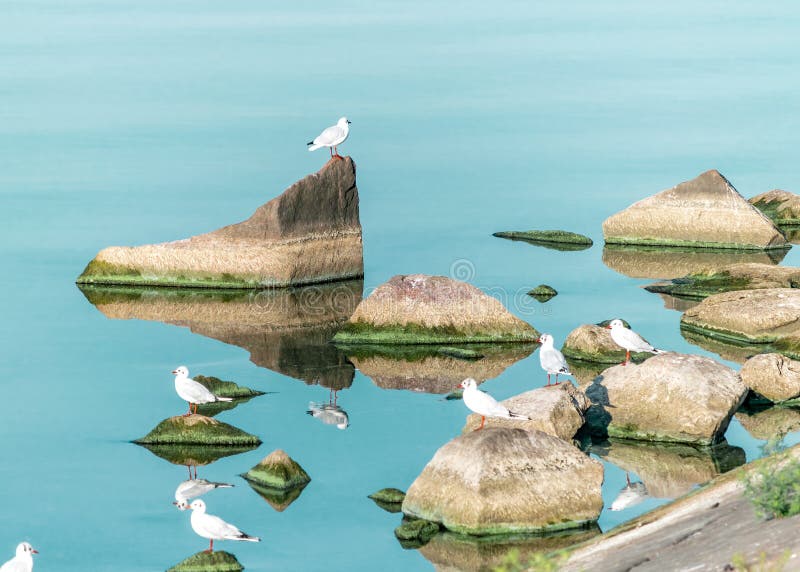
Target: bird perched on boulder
[(552, 360), (629, 340), (484, 404), (332, 137), (195, 393)]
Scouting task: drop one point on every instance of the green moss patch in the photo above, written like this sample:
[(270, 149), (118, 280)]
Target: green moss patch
[(239, 393), (771, 210), (195, 455), (389, 495), (543, 292), (364, 333), (613, 358), (197, 430), (105, 273), (214, 562), (554, 239), (278, 471), (278, 499), (669, 243), (415, 533), (460, 353), (700, 285)]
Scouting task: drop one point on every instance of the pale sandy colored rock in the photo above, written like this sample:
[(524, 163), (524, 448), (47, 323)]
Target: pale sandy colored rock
[(592, 343), (418, 308), (556, 410), (670, 398), (704, 212), (773, 376), (770, 423), (748, 276), (309, 234), (784, 205), (502, 480)]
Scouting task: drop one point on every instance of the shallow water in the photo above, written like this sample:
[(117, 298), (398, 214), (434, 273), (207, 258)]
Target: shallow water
[(137, 122)]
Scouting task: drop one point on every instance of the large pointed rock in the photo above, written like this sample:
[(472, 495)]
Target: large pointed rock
[(503, 480), (311, 233), (422, 309), (782, 207), (704, 212)]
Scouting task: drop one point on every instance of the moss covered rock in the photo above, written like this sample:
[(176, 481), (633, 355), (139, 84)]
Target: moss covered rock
[(554, 239), (752, 276), (195, 455), (543, 292), (416, 531), (278, 471), (197, 430), (238, 393), (782, 207), (220, 561)]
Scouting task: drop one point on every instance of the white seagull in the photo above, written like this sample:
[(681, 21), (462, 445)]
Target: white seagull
[(213, 527), (629, 340), (23, 561), (193, 392), (194, 488), (552, 360), (631, 495), (484, 404), (329, 414), (332, 137)]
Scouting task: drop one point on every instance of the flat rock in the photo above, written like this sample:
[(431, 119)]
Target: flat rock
[(591, 343), (502, 480), (197, 430), (278, 471), (669, 398), (311, 233), (782, 207), (752, 276), (768, 317), (773, 376), (219, 561), (556, 410), (553, 239), (704, 212), (422, 309)]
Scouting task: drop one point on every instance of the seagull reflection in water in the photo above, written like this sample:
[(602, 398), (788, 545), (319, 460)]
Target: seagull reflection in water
[(330, 413), (630, 495), (193, 488)]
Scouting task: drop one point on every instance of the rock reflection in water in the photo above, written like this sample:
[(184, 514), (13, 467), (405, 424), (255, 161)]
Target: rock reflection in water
[(426, 369), (729, 351), (449, 552), (658, 262), (679, 304), (770, 422), (285, 330), (670, 471), (632, 493), (278, 499), (192, 456)]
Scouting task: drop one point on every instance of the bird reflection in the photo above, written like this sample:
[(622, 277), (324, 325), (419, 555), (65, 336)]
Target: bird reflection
[(193, 488), (330, 413), (631, 495)]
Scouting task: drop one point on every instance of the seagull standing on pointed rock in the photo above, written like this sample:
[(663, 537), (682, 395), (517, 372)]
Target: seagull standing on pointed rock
[(332, 137), (552, 360), (193, 392), (484, 404), (629, 340), (22, 561), (214, 528), (194, 488)]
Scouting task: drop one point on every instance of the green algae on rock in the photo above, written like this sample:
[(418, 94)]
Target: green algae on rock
[(555, 239), (195, 455), (388, 495), (460, 353), (278, 499), (782, 207), (413, 533), (751, 276), (422, 309), (219, 561), (197, 430), (543, 292), (278, 471), (220, 388)]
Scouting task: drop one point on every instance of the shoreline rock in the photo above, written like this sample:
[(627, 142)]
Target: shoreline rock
[(309, 234), (729, 278), (782, 207), (706, 212)]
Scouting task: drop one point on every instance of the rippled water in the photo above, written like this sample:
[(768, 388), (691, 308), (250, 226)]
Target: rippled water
[(136, 122)]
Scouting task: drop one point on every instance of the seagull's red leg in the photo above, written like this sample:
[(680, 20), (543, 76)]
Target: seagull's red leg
[(483, 420), (210, 546), (627, 356)]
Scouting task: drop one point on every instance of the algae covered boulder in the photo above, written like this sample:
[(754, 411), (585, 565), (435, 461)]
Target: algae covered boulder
[(543, 292), (422, 309), (556, 410), (553, 239), (503, 480), (311, 233), (593, 343), (773, 376), (752, 276), (278, 471), (197, 430), (670, 397), (389, 499), (239, 394), (782, 207), (219, 561), (704, 212)]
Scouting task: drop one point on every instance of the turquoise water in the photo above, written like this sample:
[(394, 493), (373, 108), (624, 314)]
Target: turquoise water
[(138, 122)]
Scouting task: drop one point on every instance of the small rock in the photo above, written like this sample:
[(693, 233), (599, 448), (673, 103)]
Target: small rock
[(592, 343), (389, 495), (782, 207), (773, 376), (197, 430), (543, 292), (554, 239), (502, 480), (278, 471), (220, 388), (413, 533), (219, 561), (735, 277), (556, 410)]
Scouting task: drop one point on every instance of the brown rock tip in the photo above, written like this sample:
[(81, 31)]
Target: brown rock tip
[(278, 471), (309, 234)]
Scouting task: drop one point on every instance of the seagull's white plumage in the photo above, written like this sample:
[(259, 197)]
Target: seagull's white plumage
[(629, 340), (329, 414), (22, 561), (213, 527), (552, 360), (332, 136), (194, 488), (484, 404), (192, 391)]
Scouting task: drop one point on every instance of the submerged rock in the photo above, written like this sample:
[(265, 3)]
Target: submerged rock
[(219, 561), (556, 410), (421, 309), (593, 343), (278, 471), (782, 207), (669, 398), (735, 277), (543, 292), (554, 239), (390, 499), (502, 480), (768, 317), (773, 376), (704, 212), (311, 233), (414, 533), (197, 430)]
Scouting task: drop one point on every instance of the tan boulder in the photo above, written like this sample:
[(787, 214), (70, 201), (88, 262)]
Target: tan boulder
[(669, 398), (704, 212), (501, 480), (556, 410), (773, 376), (591, 343), (422, 309), (782, 207), (309, 234)]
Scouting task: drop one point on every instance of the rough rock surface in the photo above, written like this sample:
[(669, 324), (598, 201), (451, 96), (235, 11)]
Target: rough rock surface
[(750, 276), (669, 398), (782, 207), (421, 309), (197, 430), (553, 239), (768, 317), (704, 212), (311, 233), (591, 343), (502, 480), (278, 471), (773, 376), (556, 410), (219, 561)]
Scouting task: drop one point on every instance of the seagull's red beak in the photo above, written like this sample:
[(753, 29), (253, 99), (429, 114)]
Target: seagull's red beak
[(538, 340), (174, 372), (608, 327), (34, 551)]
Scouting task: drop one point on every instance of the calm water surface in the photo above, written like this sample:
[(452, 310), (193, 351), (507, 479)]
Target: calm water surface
[(137, 122)]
